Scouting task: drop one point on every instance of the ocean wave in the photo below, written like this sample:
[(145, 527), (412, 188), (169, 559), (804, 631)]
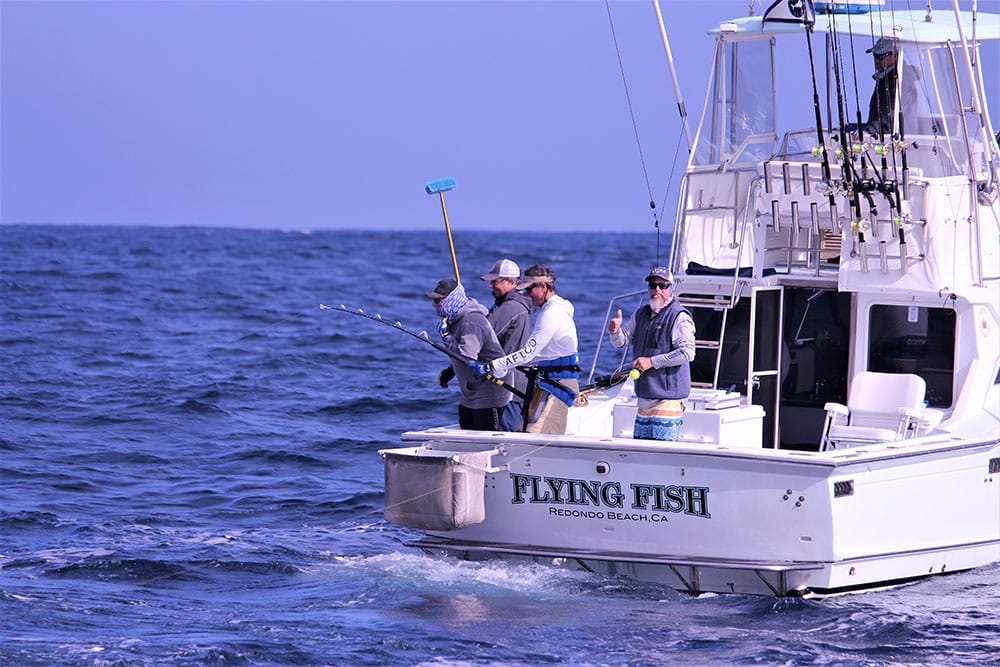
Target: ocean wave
[(104, 275), (360, 406), (27, 519), (200, 407), (273, 457), (142, 571)]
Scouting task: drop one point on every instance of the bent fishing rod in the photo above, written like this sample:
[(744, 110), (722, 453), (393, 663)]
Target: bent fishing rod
[(423, 337)]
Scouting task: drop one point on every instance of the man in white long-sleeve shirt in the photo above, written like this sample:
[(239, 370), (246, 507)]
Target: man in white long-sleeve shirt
[(552, 348)]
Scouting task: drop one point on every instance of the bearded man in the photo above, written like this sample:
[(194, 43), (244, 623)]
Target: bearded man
[(663, 344)]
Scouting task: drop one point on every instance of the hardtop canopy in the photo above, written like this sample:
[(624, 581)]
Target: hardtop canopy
[(910, 27)]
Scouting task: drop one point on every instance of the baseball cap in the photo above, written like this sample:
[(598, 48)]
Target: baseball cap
[(883, 46), (502, 268), (661, 272), (539, 273), (443, 289)]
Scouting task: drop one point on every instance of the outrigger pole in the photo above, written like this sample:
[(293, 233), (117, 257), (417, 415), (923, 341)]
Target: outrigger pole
[(439, 187), (422, 336), (673, 76)]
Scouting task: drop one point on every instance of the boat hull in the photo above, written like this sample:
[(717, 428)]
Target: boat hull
[(709, 518)]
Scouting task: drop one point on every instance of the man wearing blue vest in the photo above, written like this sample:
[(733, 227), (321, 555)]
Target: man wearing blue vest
[(663, 345)]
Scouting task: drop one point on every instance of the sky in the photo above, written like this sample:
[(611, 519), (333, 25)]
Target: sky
[(328, 114)]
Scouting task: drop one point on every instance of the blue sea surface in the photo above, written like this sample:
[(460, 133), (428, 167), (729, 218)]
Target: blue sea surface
[(189, 472)]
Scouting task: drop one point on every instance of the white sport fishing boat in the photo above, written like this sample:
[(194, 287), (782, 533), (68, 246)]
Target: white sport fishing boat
[(844, 429)]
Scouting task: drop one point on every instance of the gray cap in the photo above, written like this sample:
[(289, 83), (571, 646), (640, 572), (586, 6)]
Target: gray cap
[(661, 272), (883, 46), (503, 268), (443, 289)]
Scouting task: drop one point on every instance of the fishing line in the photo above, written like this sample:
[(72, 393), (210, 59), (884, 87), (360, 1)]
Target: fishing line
[(666, 192), (268, 326), (635, 128)]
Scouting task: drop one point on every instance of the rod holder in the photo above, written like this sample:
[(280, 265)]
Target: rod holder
[(814, 236), (794, 238)]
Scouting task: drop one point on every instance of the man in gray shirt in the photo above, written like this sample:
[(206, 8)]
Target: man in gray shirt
[(466, 333), (510, 317)]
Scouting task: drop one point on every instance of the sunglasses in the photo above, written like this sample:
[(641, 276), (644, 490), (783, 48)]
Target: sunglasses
[(659, 286), (534, 285)]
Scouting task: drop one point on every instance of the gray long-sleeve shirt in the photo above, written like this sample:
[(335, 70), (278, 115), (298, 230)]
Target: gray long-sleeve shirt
[(510, 317)]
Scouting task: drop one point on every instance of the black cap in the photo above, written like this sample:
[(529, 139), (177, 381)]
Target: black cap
[(443, 289)]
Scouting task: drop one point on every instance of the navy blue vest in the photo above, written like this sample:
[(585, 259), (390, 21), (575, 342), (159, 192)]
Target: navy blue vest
[(651, 337)]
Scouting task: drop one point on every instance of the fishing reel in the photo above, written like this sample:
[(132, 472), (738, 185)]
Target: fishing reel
[(894, 147)]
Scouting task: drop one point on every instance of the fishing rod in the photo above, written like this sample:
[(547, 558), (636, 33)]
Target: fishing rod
[(823, 153), (423, 337), (852, 182)]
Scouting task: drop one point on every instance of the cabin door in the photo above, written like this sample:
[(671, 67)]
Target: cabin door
[(764, 358)]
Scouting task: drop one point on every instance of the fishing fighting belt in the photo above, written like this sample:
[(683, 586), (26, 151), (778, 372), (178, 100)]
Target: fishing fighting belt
[(563, 367), (546, 376)]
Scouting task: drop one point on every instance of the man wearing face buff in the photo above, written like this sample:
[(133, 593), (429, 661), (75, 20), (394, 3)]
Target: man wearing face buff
[(466, 332), (663, 342)]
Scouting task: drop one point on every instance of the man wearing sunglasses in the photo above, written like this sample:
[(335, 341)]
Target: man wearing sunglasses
[(466, 332), (551, 347), (881, 107), (663, 344)]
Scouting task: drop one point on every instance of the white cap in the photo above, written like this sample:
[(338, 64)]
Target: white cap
[(503, 268)]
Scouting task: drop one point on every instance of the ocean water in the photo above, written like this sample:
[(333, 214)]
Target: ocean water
[(189, 476)]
